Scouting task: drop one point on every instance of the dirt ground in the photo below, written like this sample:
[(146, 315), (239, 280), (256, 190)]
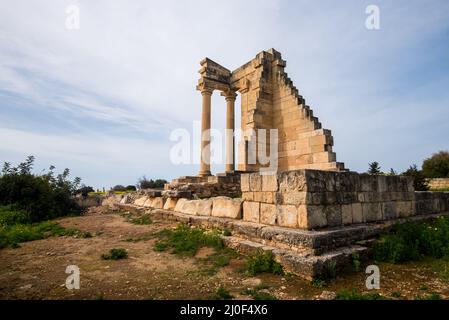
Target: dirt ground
[(36, 270)]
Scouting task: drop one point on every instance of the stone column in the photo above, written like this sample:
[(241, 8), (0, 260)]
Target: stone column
[(230, 126), (205, 134)]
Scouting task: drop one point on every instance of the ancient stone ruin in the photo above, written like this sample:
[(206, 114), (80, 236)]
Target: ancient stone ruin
[(311, 212)]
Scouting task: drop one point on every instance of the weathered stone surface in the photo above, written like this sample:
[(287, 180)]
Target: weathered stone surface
[(227, 207), (140, 201), (333, 215), (268, 213), (170, 203), (316, 217), (295, 197), (251, 211), (292, 181), (157, 202), (269, 182), (287, 216), (389, 210), (371, 212), (346, 214), (357, 213), (255, 182), (148, 203), (244, 182)]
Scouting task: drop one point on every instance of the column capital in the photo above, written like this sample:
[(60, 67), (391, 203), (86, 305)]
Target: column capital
[(229, 95), (205, 90)]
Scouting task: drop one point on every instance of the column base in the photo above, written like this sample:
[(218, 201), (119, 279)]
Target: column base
[(204, 173)]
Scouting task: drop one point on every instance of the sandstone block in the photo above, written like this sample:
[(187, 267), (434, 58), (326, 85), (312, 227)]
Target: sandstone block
[(148, 203), (269, 182), (333, 215), (371, 212), (248, 196), (157, 203), (389, 210), (316, 217), (170, 203), (292, 181), (357, 214), (255, 182), (225, 207), (244, 182), (268, 213), (287, 216), (346, 214), (251, 211), (294, 197), (140, 201), (404, 208)]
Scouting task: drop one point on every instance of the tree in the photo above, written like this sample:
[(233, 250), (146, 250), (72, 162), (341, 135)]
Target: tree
[(119, 188), (374, 168), (437, 166), (84, 190), (144, 183), (419, 181), (131, 188), (393, 172)]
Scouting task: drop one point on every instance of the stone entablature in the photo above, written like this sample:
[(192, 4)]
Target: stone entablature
[(438, 183)]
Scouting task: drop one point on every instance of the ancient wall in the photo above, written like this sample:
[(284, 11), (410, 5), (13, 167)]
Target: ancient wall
[(438, 183), (310, 199), (269, 100)]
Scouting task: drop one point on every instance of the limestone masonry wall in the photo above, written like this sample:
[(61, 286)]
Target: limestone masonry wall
[(310, 199), (438, 183)]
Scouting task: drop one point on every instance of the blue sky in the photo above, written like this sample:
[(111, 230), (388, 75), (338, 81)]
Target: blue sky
[(102, 100)]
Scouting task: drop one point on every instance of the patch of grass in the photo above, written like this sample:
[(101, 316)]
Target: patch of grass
[(355, 295), (142, 220), (432, 296), (186, 241), (264, 296), (262, 261), (413, 241), (222, 294), (396, 294), (356, 262), (319, 283), (227, 232), (11, 236), (115, 254), (220, 258), (144, 237), (259, 292)]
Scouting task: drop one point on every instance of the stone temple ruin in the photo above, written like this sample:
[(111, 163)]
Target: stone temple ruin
[(311, 212)]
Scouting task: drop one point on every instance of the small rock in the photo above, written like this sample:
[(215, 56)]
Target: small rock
[(252, 282), (328, 295)]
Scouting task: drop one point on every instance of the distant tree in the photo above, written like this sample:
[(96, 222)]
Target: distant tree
[(119, 188), (145, 183), (374, 168), (437, 166), (84, 190), (419, 181), (131, 188)]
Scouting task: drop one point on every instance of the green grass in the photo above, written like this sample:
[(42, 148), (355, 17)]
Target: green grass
[(212, 263), (115, 254), (13, 235), (257, 294), (222, 294), (432, 296), (142, 220), (262, 261), (413, 241), (355, 295), (186, 241), (440, 190)]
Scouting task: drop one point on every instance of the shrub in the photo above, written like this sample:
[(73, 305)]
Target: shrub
[(262, 261), (119, 188), (131, 188), (84, 190), (419, 181), (437, 166), (186, 241), (144, 183), (115, 254), (43, 196), (142, 220), (412, 241)]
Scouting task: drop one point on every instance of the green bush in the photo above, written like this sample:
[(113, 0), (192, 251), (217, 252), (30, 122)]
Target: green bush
[(419, 180), (412, 241), (115, 254), (145, 183), (43, 196), (222, 294), (262, 261), (437, 166), (186, 241), (142, 220)]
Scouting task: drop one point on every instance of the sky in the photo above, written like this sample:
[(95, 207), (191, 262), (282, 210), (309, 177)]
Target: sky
[(103, 99)]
